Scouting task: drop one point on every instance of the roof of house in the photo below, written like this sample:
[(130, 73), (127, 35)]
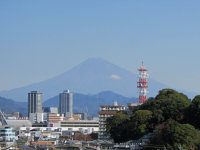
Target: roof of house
[(107, 112), (112, 106), (43, 143), (132, 104)]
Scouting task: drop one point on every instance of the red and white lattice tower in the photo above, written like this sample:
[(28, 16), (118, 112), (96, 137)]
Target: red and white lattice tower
[(142, 84)]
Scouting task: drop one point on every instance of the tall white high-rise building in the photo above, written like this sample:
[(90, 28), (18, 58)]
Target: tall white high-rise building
[(66, 103)]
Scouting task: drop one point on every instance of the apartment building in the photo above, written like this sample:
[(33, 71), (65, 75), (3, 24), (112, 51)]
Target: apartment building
[(104, 113)]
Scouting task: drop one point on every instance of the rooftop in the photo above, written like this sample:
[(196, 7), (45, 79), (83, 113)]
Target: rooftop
[(107, 112), (19, 123), (112, 106), (43, 143)]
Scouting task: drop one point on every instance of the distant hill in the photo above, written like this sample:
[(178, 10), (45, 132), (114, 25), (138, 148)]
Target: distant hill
[(91, 103), (89, 77), (8, 106), (82, 102)]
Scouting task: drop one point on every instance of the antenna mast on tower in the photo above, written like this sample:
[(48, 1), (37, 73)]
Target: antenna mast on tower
[(142, 84)]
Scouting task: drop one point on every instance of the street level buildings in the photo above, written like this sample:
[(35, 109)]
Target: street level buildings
[(86, 126)]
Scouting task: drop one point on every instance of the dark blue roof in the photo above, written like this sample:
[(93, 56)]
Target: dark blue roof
[(26, 147)]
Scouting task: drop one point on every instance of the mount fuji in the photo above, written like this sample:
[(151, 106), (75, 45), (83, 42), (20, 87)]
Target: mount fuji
[(92, 76)]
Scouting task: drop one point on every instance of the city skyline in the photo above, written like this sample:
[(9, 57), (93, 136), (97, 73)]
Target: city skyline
[(51, 37)]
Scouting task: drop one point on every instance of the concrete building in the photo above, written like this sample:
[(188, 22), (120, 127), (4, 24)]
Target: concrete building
[(47, 110), (80, 116), (7, 137), (50, 110), (86, 126), (35, 106), (104, 113), (66, 104), (34, 102), (36, 117), (54, 119), (19, 123), (132, 106)]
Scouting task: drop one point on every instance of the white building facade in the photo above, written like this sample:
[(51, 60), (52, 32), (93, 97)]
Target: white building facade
[(104, 113), (7, 136)]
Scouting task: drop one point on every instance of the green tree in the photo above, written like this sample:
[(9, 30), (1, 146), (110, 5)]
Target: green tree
[(173, 135), (141, 123), (193, 112), (167, 104), (117, 127)]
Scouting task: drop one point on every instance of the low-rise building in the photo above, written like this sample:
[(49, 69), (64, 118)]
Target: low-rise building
[(86, 126), (54, 119), (7, 137), (80, 116), (132, 106), (19, 123), (36, 117), (47, 110)]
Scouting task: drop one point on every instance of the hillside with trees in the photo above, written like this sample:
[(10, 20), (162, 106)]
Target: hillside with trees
[(171, 117)]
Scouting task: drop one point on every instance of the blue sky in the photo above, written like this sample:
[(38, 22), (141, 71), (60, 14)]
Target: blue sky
[(41, 39)]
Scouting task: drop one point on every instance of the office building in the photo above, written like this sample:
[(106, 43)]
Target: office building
[(104, 113), (35, 106), (66, 104)]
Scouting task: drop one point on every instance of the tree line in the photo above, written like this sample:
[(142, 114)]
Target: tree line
[(171, 117)]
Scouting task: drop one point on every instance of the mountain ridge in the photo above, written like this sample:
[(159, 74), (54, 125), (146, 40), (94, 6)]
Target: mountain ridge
[(91, 103), (82, 102), (9, 106), (91, 76)]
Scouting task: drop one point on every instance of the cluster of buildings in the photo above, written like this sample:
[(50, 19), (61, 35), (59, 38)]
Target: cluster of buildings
[(37, 113), (61, 117), (51, 123)]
